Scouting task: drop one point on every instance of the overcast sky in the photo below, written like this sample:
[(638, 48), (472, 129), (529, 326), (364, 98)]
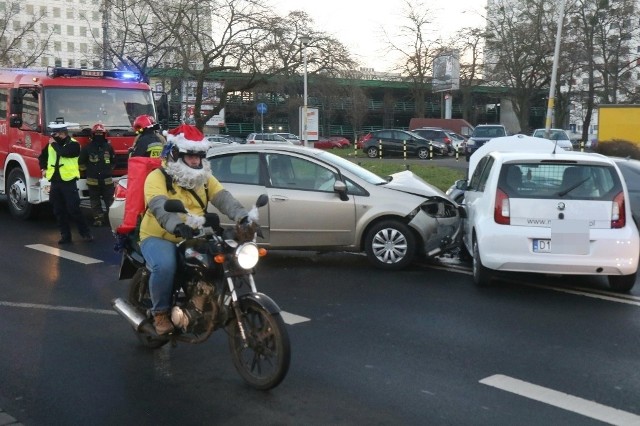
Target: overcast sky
[(355, 22)]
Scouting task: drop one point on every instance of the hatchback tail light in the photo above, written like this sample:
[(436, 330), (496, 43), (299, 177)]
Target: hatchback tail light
[(501, 212), (618, 216), (447, 141), (120, 193)]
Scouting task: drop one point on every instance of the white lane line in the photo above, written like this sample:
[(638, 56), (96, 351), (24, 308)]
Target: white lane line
[(288, 317), (65, 254), (292, 319), (617, 298), (562, 400), (58, 308)]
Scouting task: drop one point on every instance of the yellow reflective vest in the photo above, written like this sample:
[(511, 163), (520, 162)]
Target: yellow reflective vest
[(68, 166)]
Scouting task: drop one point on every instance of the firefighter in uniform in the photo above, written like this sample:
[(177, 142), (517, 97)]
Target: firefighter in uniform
[(97, 160), (59, 163), (148, 143)]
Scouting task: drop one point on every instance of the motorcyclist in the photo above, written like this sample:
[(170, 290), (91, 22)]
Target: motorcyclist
[(148, 143), (192, 182)]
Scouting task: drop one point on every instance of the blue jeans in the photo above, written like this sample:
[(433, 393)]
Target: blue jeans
[(160, 256)]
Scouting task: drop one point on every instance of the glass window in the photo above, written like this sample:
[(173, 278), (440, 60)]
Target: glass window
[(239, 168), (31, 111), (115, 108), (70, 14), (4, 96), (559, 181), (56, 12), (475, 179), (70, 46), (70, 30)]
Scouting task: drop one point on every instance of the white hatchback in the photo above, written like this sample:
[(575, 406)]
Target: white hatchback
[(545, 212)]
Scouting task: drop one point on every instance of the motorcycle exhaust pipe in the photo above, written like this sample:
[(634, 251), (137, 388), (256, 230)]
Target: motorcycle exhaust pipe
[(127, 310)]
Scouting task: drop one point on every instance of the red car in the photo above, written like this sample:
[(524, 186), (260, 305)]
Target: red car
[(341, 140), (326, 143)]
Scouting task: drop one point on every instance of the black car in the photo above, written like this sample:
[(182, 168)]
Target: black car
[(393, 142), (482, 134)]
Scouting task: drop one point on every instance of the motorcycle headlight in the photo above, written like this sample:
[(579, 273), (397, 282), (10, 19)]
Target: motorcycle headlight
[(247, 255)]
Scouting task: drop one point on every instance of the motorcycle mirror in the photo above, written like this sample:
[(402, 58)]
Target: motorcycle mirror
[(263, 199), (174, 206)]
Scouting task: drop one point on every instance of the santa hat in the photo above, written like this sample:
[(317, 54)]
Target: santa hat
[(187, 138)]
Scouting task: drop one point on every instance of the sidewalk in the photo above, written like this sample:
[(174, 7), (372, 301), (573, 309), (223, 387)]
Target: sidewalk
[(6, 420)]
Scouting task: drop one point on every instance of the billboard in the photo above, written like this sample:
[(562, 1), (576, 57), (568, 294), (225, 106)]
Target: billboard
[(312, 122), (446, 72)]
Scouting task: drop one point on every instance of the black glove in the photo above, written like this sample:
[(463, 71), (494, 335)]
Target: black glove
[(183, 231), (212, 220)]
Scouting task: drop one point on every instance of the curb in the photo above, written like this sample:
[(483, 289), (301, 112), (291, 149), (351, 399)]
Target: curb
[(6, 419)]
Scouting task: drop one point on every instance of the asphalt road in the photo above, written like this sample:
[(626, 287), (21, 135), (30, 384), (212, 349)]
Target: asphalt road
[(416, 347)]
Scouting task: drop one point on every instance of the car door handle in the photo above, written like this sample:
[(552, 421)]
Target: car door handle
[(279, 198)]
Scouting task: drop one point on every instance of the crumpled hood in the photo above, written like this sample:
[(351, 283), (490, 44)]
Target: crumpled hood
[(410, 183)]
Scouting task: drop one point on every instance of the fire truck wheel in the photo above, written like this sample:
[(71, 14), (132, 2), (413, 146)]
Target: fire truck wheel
[(19, 205)]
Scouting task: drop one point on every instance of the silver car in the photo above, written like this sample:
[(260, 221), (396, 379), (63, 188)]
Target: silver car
[(321, 202)]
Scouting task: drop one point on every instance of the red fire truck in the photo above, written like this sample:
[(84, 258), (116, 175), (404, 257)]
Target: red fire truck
[(29, 100)]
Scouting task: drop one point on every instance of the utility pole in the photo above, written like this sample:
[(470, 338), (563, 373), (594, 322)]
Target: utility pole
[(554, 71)]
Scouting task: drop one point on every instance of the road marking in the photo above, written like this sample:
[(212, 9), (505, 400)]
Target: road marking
[(65, 254), (288, 317), (562, 400), (292, 319), (58, 308)]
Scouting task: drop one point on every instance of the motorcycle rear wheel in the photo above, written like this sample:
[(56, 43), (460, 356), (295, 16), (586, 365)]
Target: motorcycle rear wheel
[(264, 363), (139, 297)]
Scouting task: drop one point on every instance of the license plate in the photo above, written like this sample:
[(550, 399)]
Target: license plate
[(542, 246)]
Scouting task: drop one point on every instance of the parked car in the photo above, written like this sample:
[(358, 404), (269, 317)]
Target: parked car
[(294, 139), (630, 170), (457, 140), (481, 134), (545, 212), (269, 138), (326, 143), (341, 140), (217, 140), (322, 202), (393, 144), (556, 135), (437, 134)]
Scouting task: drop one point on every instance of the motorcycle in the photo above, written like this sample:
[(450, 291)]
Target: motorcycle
[(214, 288)]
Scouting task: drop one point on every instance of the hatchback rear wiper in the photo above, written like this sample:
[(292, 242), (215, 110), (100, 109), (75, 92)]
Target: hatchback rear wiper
[(572, 187)]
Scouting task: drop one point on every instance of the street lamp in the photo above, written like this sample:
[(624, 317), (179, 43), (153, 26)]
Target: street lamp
[(305, 40)]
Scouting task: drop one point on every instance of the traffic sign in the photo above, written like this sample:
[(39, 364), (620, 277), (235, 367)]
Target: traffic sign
[(262, 108)]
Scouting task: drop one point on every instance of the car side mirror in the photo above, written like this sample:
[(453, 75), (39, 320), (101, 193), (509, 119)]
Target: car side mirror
[(341, 188), (461, 184)]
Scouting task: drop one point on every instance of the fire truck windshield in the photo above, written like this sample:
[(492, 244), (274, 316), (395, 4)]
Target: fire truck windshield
[(114, 108)]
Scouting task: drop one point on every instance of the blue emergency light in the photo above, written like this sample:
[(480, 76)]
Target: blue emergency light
[(80, 72)]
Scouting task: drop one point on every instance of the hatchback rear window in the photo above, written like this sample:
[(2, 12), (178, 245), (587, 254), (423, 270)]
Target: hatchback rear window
[(559, 180)]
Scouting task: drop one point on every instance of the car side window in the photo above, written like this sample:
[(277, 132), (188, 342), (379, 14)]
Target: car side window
[(385, 134), (239, 168), (475, 179), (485, 174)]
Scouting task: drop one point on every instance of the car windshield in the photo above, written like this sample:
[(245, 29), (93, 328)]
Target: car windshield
[(362, 173), (555, 135), (488, 132), (114, 108)]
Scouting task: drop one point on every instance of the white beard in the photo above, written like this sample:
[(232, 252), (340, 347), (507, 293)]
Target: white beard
[(187, 177)]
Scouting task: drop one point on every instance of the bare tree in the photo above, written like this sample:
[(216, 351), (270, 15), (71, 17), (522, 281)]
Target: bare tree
[(22, 43), (520, 53), (469, 42), (417, 50)]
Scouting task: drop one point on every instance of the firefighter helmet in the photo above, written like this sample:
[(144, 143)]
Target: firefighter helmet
[(98, 128), (143, 122)]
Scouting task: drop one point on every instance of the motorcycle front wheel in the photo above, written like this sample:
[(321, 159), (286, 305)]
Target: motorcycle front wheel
[(140, 298), (264, 361)]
